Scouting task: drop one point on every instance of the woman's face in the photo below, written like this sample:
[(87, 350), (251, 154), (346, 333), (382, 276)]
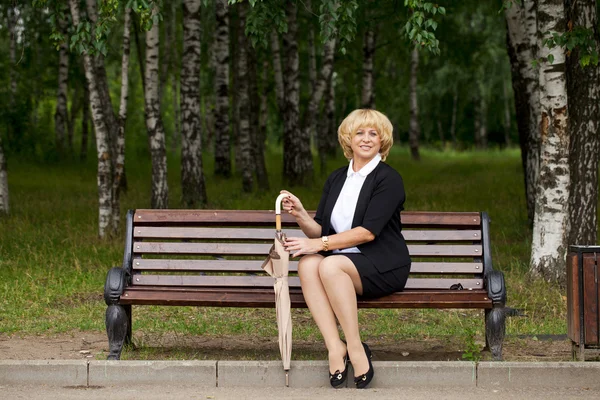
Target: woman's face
[(365, 144)]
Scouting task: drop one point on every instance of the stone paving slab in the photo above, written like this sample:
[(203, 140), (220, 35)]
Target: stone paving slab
[(393, 374), (542, 374), (44, 372), (201, 373)]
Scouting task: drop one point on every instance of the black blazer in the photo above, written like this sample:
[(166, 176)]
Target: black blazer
[(378, 210)]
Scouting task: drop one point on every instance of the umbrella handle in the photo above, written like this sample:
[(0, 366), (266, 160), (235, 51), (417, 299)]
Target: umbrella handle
[(278, 210)]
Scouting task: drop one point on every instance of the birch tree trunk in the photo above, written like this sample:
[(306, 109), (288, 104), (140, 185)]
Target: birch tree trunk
[(312, 109), (222, 132), (12, 22), (120, 147), (174, 56), (277, 71), (521, 21), (110, 118), (257, 134), (368, 86), (61, 116), (85, 119), (327, 137), (244, 139), (297, 158), (192, 176), (551, 223), (414, 128), (583, 88), (102, 138), (4, 205), (453, 121), (154, 125), (507, 116)]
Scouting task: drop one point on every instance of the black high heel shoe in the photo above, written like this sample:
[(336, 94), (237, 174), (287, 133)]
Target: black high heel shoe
[(363, 380), (338, 378)]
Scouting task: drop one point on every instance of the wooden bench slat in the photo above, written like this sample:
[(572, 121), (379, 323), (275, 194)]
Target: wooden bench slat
[(294, 281), (266, 298), (258, 249), (147, 264), (160, 232), (267, 218)]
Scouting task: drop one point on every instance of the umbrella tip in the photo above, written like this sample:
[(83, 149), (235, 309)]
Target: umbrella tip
[(287, 379)]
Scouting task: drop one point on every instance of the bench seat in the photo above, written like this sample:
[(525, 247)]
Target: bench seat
[(213, 258)]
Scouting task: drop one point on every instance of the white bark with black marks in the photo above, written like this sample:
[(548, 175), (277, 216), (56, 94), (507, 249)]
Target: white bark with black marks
[(102, 139), (60, 115), (522, 44), (120, 147), (551, 223), (583, 87), (277, 70), (297, 158), (154, 125), (221, 52), (243, 102), (414, 130), (312, 110), (327, 132), (368, 81), (192, 174)]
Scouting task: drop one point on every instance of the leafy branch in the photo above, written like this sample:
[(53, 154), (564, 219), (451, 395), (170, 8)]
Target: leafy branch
[(577, 38), (421, 25)]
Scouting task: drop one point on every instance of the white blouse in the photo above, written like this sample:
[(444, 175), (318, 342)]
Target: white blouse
[(343, 211)]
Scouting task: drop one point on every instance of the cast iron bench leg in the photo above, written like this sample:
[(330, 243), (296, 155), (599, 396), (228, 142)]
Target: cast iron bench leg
[(118, 329), (494, 331)]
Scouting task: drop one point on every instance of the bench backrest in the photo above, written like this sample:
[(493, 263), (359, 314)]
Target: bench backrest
[(225, 248)]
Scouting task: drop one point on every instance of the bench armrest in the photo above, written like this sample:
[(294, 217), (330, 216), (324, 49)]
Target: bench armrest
[(116, 281), (496, 287)]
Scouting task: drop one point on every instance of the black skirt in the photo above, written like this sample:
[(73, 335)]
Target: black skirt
[(375, 283)]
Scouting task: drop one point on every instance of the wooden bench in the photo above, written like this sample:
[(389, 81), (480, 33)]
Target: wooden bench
[(214, 257)]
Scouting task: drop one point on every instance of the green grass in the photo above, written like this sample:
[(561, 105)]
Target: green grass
[(53, 266)]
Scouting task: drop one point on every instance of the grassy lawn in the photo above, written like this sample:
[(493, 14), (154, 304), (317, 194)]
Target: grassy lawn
[(53, 266)]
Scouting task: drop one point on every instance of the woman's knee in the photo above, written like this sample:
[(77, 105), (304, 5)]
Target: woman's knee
[(309, 265), (329, 268)]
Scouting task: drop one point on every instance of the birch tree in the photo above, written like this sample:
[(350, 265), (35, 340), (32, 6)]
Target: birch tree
[(551, 223), (414, 127), (120, 146), (192, 174), (297, 160), (102, 137), (243, 103), (221, 49), (368, 82), (583, 87), (521, 21), (277, 70), (154, 125), (60, 115)]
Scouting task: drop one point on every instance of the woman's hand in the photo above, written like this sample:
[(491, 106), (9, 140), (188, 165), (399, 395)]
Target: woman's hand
[(292, 205), (300, 246)]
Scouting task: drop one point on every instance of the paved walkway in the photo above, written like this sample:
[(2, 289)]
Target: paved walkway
[(157, 392), (146, 380)]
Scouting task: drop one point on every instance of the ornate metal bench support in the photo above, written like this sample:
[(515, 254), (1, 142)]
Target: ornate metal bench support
[(496, 317), (118, 317), (117, 327)]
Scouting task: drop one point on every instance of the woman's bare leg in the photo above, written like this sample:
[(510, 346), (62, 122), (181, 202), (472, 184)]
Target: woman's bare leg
[(322, 313), (341, 282)]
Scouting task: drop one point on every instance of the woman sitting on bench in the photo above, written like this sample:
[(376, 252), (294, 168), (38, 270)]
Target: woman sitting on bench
[(354, 245)]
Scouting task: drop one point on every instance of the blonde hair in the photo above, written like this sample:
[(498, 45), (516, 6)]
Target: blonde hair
[(366, 118)]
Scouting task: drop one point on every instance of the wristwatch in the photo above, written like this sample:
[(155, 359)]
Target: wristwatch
[(325, 240)]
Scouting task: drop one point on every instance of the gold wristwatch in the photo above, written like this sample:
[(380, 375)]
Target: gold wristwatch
[(325, 240)]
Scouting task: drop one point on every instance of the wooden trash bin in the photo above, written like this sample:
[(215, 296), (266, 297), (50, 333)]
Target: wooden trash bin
[(583, 296)]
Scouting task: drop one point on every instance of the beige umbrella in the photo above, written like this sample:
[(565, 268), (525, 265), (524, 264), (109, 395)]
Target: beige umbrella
[(276, 265)]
